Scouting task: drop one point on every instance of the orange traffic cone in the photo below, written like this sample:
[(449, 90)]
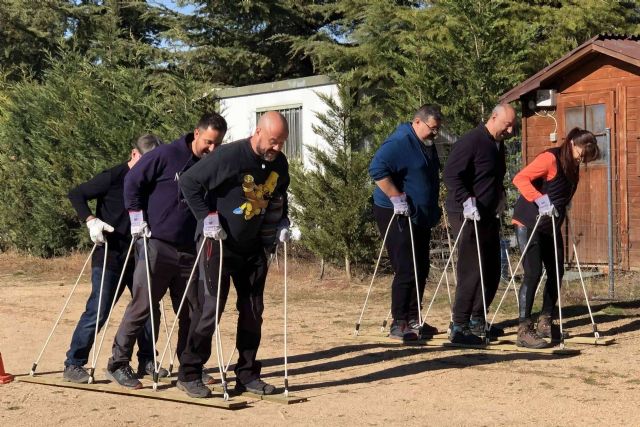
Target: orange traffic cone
[(4, 377)]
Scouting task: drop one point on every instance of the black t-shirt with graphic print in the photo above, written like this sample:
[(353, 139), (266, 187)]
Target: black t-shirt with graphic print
[(238, 184)]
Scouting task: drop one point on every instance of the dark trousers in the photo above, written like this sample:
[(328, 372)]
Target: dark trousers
[(170, 267), (83, 335), (540, 252), (468, 299), (249, 273), (404, 301)]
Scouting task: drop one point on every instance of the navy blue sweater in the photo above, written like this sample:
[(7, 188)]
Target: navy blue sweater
[(152, 186), (414, 169)]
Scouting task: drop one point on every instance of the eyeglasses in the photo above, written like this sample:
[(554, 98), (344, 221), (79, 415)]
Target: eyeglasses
[(434, 130)]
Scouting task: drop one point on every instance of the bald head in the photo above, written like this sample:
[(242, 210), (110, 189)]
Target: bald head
[(271, 133), (501, 122)]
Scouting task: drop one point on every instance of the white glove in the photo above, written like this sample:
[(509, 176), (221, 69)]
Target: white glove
[(545, 207), (469, 209), (139, 226), (400, 205), (211, 227), (96, 228), (283, 232)]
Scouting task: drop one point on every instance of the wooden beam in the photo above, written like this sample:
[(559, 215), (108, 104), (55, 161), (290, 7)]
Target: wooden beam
[(276, 398), (512, 347), (569, 340), (170, 394)]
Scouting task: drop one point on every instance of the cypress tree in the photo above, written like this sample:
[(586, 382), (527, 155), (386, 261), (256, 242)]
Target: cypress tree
[(331, 201)]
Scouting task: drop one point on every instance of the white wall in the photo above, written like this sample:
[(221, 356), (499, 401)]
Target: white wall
[(240, 112)]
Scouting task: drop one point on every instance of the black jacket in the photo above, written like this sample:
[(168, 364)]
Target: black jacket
[(476, 167)]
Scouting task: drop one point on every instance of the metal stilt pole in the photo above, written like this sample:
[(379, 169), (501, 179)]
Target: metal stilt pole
[(95, 336), (145, 242), (444, 272), (184, 297), (555, 250), (513, 277), (113, 303), (64, 307), (357, 328), (484, 300), (415, 271), (286, 373), (219, 351)]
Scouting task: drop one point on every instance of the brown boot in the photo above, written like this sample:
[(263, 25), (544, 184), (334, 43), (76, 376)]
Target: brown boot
[(527, 336), (546, 328)]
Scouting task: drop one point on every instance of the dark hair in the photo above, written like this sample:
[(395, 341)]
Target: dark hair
[(429, 110), (590, 152), (146, 143), (212, 120)]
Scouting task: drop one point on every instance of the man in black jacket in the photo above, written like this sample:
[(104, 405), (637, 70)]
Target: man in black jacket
[(111, 217), (230, 192), (474, 176)]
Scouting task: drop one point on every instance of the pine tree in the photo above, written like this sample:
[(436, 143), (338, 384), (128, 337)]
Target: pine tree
[(331, 202), (237, 43), (59, 132)]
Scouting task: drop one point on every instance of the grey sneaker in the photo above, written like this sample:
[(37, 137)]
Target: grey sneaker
[(194, 388), (400, 330), (461, 334), (147, 369), (125, 377), (256, 386), (75, 374)]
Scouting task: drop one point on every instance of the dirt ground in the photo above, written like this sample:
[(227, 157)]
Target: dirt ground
[(348, 380)]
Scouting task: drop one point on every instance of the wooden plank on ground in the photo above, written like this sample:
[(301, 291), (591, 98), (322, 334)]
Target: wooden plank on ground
[(512, 347), (571, 340), (171, 394), (277, 398)]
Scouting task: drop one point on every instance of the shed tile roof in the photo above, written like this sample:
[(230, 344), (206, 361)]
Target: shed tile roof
[(623, 47)]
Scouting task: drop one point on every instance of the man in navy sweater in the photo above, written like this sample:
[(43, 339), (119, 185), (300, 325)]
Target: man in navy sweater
[(406, 171), (158, 211), (110, 224), (474, 176), (230, 192)]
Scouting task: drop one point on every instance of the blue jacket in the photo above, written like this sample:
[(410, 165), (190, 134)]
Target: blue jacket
[(414, 169), (152, 186)]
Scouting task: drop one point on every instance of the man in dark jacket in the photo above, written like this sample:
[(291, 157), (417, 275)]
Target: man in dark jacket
[(110, 224), (157, 211), (474, 176), (406, 171), (230, 192)]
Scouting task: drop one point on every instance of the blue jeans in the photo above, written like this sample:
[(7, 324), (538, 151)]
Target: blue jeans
[(83, 336)]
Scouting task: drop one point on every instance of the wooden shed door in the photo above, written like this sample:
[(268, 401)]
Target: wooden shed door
[(588, 215)]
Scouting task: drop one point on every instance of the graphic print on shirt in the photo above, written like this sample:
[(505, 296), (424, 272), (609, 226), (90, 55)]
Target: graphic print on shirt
[(257, 196)]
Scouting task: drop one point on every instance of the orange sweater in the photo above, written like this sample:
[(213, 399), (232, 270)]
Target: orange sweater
[(543, 166)]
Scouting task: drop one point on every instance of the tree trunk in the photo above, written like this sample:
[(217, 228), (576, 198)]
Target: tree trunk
[(321, 268), (347, 266)]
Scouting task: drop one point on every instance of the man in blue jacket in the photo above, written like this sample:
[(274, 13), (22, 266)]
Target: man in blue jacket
[(158, 211), (406, 171)]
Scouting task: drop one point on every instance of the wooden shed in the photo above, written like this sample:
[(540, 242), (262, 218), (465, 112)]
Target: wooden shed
[(595, 86)]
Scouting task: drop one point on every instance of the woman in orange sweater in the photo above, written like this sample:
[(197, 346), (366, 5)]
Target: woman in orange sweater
[(547, 186)]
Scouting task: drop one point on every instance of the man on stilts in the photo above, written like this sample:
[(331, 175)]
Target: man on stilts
[(474, 175), (406, 170), (111, 224), (160, 216), (230, 192)]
